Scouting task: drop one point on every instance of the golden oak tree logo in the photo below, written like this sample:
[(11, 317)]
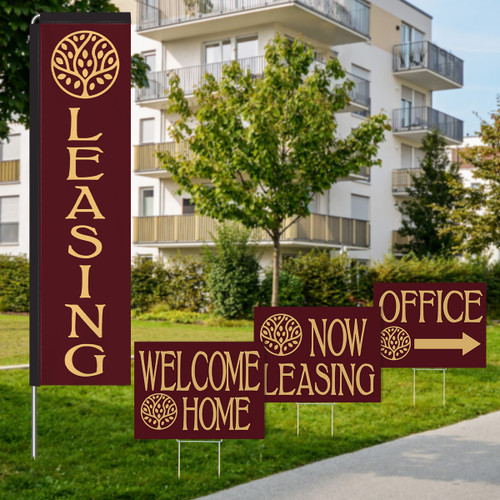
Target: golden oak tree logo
[(158, 411), (85, 64), (281, 334), (395, 343)]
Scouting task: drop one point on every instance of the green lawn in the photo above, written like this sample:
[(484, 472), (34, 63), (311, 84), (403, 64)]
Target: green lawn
[(87, 449)]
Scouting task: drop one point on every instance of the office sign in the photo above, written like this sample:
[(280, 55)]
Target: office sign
[(432, 325), (80, 199), (198, 390), (320, 354)]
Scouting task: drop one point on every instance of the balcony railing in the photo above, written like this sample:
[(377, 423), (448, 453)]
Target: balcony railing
[(190, 78), (426, 55), (398, 239), (425, 118), (402, 179), (196, 229), (146, 159), (353, 14), (9, 171)]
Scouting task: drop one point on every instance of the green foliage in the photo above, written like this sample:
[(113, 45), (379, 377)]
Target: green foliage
[(14, 283), (185, 287), (328, 280), (148, 282), (15, 19), (267, 144), (476, 217), (431, 198), (290, 292), (232, 274), (179, 284)]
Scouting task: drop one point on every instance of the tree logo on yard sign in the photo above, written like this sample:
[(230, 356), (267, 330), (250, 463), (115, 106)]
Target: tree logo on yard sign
[(158, 411), (281, 334), (85, 64), (395, 343)]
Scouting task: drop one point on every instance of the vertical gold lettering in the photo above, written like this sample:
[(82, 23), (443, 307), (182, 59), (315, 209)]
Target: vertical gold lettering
[(73, 134), (85, 193), (72, 175), (77, 310), (99, 359), (84, 291)]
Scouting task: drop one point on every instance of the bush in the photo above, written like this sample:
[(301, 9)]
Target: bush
[(328, 281), (290, 291), (186, 288), (14, 283), (148, 282), (232, 274)]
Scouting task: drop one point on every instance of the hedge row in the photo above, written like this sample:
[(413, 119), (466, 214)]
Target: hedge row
[(313, 279)]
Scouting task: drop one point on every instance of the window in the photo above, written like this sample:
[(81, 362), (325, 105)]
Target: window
[(146, 197), (187, 206), (410, 51), (246, 47), (216, 52), (150, 58), (361, 88), (412, 107), (360, 207), (9, 220), (147, 130), (11, 149), (410, 156)]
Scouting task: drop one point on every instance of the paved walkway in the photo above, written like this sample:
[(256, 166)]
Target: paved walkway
[(459, 462)]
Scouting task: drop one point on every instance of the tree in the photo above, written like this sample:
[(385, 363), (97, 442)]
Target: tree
[(233, 272), (431, 198), (476, 217), (15, 19), (267, 143)]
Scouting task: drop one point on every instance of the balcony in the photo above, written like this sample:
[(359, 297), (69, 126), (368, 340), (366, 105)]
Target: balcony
[(333, 22), (414, 122), (146, 161), (397, 239), (196, 230), (9, 171), (427, 65), (191, 77), (402, 179)]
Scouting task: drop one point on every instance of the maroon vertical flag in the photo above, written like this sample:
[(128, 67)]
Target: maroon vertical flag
[(80, 199)]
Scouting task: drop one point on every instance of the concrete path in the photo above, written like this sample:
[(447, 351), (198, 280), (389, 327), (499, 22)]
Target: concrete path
[(459, 462)]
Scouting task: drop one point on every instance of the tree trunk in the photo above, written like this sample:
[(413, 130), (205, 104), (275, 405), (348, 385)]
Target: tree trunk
[(276, 270)]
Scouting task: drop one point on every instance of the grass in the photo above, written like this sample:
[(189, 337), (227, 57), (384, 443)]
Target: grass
[(87, 449)]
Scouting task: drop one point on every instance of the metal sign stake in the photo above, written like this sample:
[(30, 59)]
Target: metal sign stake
[(298, 412), (179, 441), (431, 369), (33, 422)]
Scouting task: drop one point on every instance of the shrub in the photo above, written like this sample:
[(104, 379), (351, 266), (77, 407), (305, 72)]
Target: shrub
[(232, 275), (148, 282), (186, 288), (290, 291), (14, 283), (328, 280)]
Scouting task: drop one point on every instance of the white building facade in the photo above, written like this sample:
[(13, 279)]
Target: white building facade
[(384, 45)]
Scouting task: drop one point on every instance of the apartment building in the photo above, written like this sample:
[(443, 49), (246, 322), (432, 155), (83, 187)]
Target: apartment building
[(386, 48)]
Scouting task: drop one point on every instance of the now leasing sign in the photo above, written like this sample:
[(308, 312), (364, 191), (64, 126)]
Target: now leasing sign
[(432, 325), (198, 390), (320, 354), (80, 199)]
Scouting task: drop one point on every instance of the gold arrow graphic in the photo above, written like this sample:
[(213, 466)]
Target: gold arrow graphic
[(466, 343)]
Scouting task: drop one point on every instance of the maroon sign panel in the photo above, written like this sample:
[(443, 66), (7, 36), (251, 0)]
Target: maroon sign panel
[(320, 354), (198, 390), (83, 214), (432, 325)]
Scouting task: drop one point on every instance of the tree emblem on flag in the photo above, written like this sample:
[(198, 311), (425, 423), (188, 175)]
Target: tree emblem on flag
[(85, 64), (281, 334), (395, 343), (158, 411)]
